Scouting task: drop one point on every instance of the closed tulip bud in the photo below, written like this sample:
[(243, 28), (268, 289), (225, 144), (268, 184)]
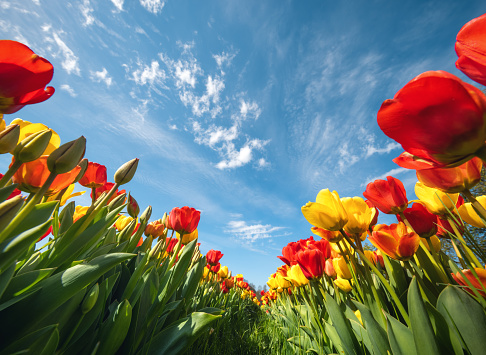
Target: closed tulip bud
[(341, 268), (90, 299), (32, 147), (469, 215), (145, 216), (84, 165), (132, 208), (126, 172), (223, 272), (164, 218), (8, 210), (117, 202), (67, 156), (9, 138), (343, 284)]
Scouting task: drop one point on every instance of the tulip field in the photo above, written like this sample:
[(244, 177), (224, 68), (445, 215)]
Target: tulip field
[(111, 278)]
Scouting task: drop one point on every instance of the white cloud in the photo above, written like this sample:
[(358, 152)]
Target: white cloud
[(224, 59), (262, 163), (234, 158), (118, 4), (392, 172), (248, 234), (149, 74), (37, 2), (101, 76), (249, 109), (346, 159), (70, 60), (86, 11), (153, 6), (370, 149), (69, 90)]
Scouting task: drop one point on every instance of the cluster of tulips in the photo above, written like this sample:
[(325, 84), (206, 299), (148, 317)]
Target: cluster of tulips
[(407, 296), (84, 279)]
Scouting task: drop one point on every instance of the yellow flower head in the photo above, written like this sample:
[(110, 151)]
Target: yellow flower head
[(296, 276), (436, 201), (343, 284), (122, 222), (27, 128), (359, 214), (341, 268), (469, 215), (327, 212), (187, 238)]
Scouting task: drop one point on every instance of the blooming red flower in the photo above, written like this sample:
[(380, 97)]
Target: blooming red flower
[(183, 220), (376, 213), (94, 177), (171, 243), (396, 240), (437, 117), (213, 257), (289, 251), (215, 268), (452, 180), (312, 262), (324, 246), (23, 77), (107, 187), (423, 222), (389, 195), (471, 49)]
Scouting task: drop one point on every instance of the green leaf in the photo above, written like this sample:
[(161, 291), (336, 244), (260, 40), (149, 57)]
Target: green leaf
[(400, 337), (466, 316), (53, 292), (115, 329), (6, 191), (5, 278), (377, 334), (42, 341), (135, 277), (192, 282), (446, 337), (422, 330), (24, 282), (66, 217), (180, 335), (342, 325), (13, 249)]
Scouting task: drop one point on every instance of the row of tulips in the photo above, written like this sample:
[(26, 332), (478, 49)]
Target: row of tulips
[(406, 296), (104, 279)]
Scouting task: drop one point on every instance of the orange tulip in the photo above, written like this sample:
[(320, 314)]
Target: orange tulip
[(477, 284), (32, 175), (397, 240)]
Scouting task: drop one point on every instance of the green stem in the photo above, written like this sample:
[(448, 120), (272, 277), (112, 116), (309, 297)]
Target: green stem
[(10, 172), (469, 254)]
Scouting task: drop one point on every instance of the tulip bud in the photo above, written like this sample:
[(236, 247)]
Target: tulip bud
[(32, 147), (146, 214), (117, 202), (125, 172), (132, 208), (9, 138), (8, 210), (90, 299), (67, 156), (164, 219), (84, 165)]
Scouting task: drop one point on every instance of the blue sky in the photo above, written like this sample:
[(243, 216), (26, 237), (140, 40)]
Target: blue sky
[(241, 109)]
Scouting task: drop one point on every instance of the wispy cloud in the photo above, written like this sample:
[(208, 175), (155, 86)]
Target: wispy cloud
[(118, 4), (101, 76), (392, 172), (249, 235), (153, 6), (87, 12), (69, 60), (69, 90), (224, 59)]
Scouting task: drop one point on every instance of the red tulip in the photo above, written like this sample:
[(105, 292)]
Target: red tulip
[(477, 284), (375, 211), (183, 220), (388, 196), (289, 252), (215, 268), (23, 77), (396, 240), (107, 187), (423, 222), (471, 49), (311, 262), (452, 180), (213, 257), (322, 245), (438, 118), (94, 177)]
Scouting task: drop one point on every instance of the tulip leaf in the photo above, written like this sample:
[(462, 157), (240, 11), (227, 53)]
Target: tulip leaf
[(42, 341), (342, 325), (466, 316), (53, 292), (446, 336), (180, 335), (14, 248), (422, 330), (400, 337), (32, 263), (66, 217), (6, 191), (115, 329), (377, 334), (332, 333), (135, 278), (5, 278), (39, 215), (24, 282), (192, 281)]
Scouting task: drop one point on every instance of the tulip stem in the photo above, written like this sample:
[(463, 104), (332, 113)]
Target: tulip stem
[(469, 254), (388, 287), (480, 210), (27, 208), (10, 172), (458, 253)]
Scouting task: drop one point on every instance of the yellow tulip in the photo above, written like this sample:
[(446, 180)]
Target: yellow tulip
[(341, 268), (122, 222), (343, 284), (358, 315), (436, 201), (296, 276), (282, 281), (359, 214), (66, 195), (272, 283), (79, 212), (205, 272), (187, 238), (223, 271), (327, 212), (435, 243), (469, 215), (27, 128), (343, 244)]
